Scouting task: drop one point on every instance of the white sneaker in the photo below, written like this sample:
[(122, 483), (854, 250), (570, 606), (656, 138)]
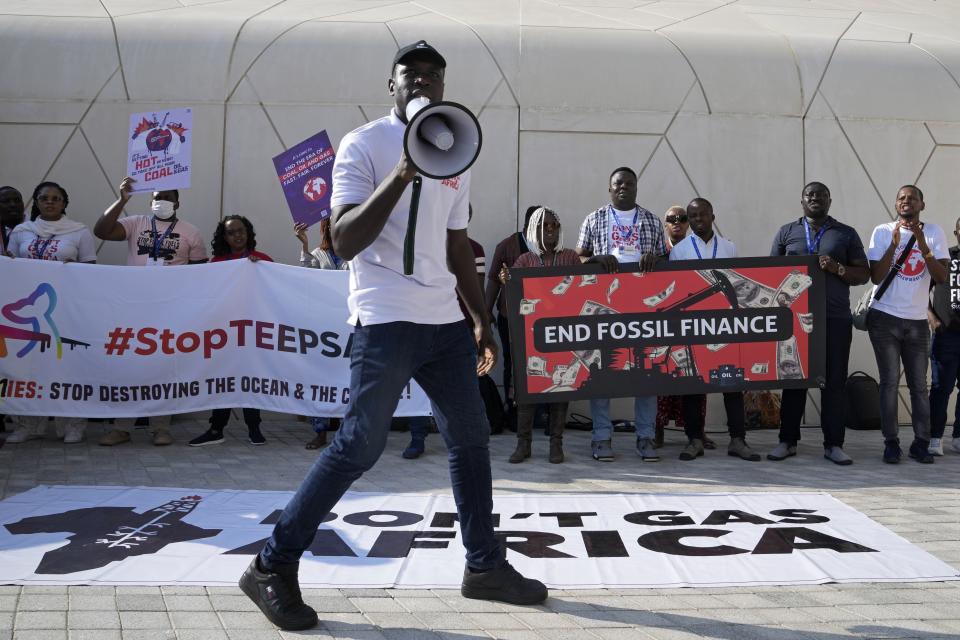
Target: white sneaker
[(23, 434), (936, 447), (73, 433), (956, 445)]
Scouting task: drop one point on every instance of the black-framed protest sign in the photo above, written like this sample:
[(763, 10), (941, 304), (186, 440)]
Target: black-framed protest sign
[(704, 326)]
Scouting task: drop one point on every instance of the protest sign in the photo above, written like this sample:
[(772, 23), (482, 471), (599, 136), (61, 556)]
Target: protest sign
[(721, 325), (88, 341), (306, 175), (159, 148)]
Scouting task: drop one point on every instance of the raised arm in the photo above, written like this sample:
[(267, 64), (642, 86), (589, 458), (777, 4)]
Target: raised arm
[(107, 227)]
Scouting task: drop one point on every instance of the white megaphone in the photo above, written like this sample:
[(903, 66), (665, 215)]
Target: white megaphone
[(442, 139)]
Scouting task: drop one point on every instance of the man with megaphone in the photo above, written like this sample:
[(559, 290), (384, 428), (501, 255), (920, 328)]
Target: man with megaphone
[(408, 325)]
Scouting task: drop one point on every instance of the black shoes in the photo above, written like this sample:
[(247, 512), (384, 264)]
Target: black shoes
[(920, 451), (504, 584), (256, 438), (210, 436), (278, 596), (892, 452)]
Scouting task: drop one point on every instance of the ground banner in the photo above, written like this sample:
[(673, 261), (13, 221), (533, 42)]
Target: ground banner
[(703, 326), (97, 341), (126, 535)]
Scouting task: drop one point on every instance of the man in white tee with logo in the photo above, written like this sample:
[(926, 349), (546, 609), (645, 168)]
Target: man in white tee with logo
[(897, 322), (158, 240), (705, 244)]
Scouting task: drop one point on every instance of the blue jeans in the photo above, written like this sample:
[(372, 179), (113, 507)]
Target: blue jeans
[(443, 361), (895, 339), (944, 369), (644, 412)]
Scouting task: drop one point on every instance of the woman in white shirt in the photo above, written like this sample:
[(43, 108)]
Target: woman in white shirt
[(50, 235)]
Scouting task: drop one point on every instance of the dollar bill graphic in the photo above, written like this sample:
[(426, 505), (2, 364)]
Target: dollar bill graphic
[(653, 301), (567, 379), (657, 352), (612, 288), (587, 280), (716, 346), (681, 358), (561, 288), (760, 367), (557, 373), (528, 306), (591, 357), (750, 293), (788, 360), (806, 321), (537, 366), (792, 286)]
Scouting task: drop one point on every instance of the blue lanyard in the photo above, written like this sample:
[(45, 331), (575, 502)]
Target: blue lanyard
[(813, 248), (158, 240), (42, 248), (697, 249), (636, 216)]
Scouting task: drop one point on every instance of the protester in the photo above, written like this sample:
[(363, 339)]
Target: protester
[(676, 224), (944, 357), (545, 236), (504, 255), (620, 232), (11, 214), (897, 322), (49, 235), (697, 247), (160, 239), (321, 257), (844, 264), (407, 326), (233, 239)]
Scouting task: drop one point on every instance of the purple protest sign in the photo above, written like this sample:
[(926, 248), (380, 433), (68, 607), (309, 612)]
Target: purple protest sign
[(306, 175)]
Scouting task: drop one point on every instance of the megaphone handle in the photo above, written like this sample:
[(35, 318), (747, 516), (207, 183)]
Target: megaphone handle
[(408, 240)]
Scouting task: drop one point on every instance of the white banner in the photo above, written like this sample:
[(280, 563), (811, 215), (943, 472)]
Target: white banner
[(150, 536), (95, 341)]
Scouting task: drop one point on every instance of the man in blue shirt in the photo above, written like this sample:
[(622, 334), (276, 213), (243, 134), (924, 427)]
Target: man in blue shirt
[(844, 264)]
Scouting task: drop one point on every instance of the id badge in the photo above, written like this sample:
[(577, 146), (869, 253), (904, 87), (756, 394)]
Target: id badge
[(626, 254), (153, 262)]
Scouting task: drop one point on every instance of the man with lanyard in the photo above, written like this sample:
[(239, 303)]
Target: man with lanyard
[(622, 231), (405, 326), (704, 243), (944, 355), (157, 240), (844, 264)]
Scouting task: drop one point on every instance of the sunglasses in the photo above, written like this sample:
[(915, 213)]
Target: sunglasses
[(676, 219)]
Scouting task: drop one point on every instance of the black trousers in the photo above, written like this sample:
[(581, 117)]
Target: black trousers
[(794, 401), (220, 417), (503, 330), (693, 419)]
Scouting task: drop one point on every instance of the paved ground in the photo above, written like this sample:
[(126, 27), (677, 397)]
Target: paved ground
[(919, 502)]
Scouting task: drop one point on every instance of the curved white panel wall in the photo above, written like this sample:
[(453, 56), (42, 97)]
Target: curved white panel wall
[(740, 102)]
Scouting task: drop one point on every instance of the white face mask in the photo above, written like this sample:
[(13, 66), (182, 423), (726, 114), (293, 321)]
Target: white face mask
[(162, 209)]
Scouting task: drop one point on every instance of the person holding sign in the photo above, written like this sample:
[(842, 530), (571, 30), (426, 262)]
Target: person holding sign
[(157, 240), (897, 320), (944, 315), (622, 231), (844, 265), (704, 243), (406, 326)]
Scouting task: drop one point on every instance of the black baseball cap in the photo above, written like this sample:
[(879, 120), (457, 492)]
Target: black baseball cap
[(420, 48)]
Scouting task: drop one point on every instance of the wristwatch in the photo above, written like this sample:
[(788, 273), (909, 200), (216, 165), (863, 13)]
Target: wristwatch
[(841, 270), (928, 255)]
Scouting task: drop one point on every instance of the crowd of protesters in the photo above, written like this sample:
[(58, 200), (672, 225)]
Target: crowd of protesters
[(910, 321)]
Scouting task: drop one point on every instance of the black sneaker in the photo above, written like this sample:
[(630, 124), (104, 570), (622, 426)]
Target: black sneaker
[(278, 596), (256, 438), (504, 584), (210, 436), (892, 452), (920, 451)]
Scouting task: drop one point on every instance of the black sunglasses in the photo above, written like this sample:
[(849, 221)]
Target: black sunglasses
[(676, 219)]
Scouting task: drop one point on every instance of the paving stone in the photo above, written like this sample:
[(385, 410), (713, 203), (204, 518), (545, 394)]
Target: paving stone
[(103, 620), (92, 590), (253, 634), (201, 634), (244, 620), (81, 602), (94, 634), (232, 603), (345, 621), (496, 621), (6, 620), (195, 620), (393, 620), (188, 603), (44, 589), (42, 602), (148, 634), (445, 620), (8, 603), (140, 602), (541, 620), (424, 604), (461, 634), (367, 605), (155, 620), (40, 634), (409, 634), (41, 620)]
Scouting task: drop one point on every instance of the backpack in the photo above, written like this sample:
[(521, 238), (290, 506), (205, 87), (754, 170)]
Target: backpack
[(861, 410)]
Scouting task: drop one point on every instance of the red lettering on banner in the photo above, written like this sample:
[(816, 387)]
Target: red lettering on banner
[(148, 344)]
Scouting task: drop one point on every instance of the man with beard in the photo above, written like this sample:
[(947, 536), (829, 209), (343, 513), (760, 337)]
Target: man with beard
[(704, 243), (897, 322), (622, 231), (406, 326), (844, 264)]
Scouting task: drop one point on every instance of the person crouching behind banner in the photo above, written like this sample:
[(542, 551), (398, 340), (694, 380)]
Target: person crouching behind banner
[(50, 235), (234, 239), (545, 239), (322, 257), (699, 247)]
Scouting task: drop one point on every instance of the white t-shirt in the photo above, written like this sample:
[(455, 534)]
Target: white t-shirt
[(718, 247), (76, 245), (906, 297), (379, 292), (181, 245)]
